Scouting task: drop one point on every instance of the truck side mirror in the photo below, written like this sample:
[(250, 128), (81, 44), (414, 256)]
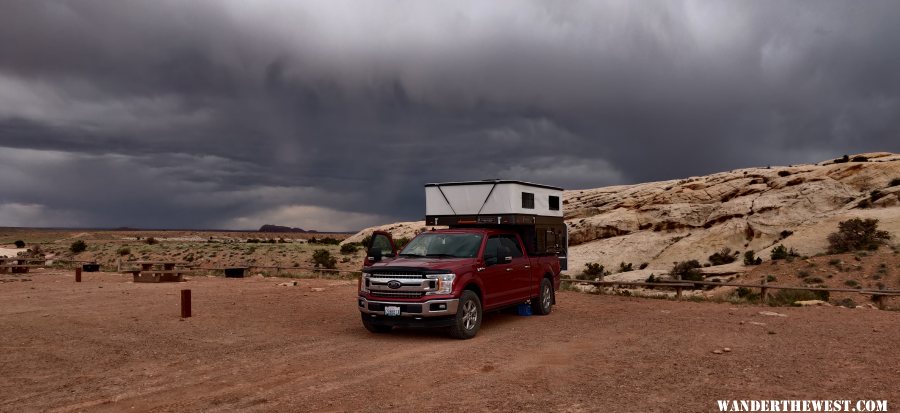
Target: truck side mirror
[(490, 260), (374, 254), (507, 259)]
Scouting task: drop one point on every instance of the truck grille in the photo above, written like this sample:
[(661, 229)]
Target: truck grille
[(397, 294), (398, 275)]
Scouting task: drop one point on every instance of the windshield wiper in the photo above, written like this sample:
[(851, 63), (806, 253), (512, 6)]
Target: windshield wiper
[(410, 255), (441, 255)]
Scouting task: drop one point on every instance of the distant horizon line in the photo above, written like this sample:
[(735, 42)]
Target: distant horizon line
[(179, 229)]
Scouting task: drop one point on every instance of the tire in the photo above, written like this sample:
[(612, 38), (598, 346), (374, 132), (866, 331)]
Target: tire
[(375, 328), (468, 316), (543, 303)]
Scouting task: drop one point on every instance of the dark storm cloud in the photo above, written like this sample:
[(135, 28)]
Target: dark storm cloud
[(332, 114)]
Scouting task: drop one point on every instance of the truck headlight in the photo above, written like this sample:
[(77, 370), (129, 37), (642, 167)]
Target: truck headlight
[(363, 283), (444, 283)]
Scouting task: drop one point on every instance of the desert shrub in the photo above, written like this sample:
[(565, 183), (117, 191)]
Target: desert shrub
[(722, 257), (591, 270), (366, 241), (783, 173), (847, 302), (859, 158), (78, 246), (771, 278), (151, 241), (252, 241), (623, 267), (851, 283), (834, 261), (745, 293), (399, 243), (789, 297), (345, 259), (781, 252), (814, 280), (751, 259), (876, 195), (856, 234), (324, 259), (123, 251), (688, 270), (643, 265), (19, 244), (843, 159), (324, 241), (349, 248), (894, 182), (786, 233)]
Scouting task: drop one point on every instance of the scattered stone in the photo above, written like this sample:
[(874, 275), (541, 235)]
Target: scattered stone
[(771, 332), (727, 349), (717, 351), (811, 303), (772, 314), (757, 323), (317, 289)]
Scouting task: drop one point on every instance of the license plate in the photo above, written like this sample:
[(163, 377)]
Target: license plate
[(391, 310)]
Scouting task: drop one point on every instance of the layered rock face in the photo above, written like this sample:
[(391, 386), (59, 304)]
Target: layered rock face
[(659, 223)]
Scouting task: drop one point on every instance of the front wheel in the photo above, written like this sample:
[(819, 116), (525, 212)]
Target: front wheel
[(468, 316), (544, 302), (374, 328)]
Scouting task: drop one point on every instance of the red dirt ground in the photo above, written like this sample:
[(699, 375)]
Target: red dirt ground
[(107, 344)]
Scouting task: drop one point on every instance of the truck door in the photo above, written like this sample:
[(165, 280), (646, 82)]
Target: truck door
[(505, 278), (520, 276)]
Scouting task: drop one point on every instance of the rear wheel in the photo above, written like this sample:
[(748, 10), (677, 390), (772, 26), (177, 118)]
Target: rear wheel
[(542, 304), (374, 328), (468, 316)]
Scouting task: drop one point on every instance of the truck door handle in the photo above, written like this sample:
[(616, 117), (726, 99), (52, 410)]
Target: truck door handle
[(509, 269), (527, 267)]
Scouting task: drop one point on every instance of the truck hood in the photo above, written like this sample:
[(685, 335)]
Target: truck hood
[(451, 264)]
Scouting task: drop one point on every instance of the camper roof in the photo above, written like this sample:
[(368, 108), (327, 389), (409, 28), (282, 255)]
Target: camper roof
[(494, 181)]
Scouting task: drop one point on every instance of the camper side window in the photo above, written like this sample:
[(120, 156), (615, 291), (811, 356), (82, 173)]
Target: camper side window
[(527, 200), (554, 203)]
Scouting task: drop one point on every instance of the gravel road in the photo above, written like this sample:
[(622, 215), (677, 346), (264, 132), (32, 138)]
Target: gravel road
[(107, 344)]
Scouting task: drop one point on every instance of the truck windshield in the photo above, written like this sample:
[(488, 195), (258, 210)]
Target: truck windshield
[(443, 245)]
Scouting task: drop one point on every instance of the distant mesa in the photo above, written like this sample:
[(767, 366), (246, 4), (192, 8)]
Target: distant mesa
[(279, 228)]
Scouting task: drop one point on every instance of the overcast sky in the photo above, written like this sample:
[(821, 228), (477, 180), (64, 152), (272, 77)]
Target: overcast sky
[(331, 115)]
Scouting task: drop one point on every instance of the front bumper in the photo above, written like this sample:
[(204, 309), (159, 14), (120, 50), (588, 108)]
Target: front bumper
[(430, 308)]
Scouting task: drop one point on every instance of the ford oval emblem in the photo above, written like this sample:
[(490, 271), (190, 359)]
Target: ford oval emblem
[(394, 284)]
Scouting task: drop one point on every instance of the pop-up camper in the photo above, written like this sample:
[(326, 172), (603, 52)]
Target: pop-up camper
[(534, 211)]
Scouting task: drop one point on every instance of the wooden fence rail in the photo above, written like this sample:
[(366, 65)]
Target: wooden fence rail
[(678, 285)]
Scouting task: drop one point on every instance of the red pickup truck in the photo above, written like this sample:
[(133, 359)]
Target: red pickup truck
[(449, 278)]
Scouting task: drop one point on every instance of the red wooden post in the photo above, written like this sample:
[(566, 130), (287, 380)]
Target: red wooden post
[(185, 303), (78, 274)]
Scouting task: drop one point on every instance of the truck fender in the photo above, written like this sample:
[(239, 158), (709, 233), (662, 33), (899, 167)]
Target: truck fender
[(469, 279)]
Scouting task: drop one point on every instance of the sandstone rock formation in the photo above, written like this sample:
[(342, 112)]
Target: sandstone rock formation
[(745, 209)]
